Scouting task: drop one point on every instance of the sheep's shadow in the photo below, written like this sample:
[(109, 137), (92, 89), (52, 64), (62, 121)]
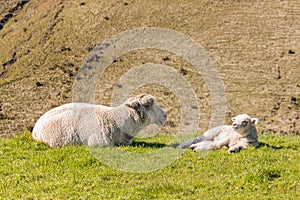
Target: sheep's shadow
[(148, 144), (262, 144)]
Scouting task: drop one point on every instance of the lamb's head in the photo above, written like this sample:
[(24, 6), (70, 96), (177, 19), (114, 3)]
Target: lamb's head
[(146, 110), (242, 123)]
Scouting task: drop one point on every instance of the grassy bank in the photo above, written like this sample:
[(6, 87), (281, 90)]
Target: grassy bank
[(32, 170)]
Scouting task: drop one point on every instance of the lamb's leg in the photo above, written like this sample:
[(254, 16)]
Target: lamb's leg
[(188, 143), (202, 146), (236, 148), (209, 145)]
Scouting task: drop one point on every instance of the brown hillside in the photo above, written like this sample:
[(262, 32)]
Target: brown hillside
[(254, 44)]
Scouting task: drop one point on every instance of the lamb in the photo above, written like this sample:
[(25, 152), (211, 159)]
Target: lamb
[(241, 134), (98, 125)]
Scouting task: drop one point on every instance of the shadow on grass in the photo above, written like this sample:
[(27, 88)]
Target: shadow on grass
[(148, 144), (262, 144)]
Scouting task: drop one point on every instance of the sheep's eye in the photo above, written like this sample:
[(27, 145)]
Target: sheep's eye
[(147, 106), (244, 122)]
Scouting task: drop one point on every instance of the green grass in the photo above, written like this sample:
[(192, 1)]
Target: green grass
[(32, 170)]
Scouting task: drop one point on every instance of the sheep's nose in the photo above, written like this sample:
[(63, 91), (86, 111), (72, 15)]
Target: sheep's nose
[(164, 116)]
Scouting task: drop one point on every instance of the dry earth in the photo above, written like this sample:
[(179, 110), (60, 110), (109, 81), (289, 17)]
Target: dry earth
[(254, 44)]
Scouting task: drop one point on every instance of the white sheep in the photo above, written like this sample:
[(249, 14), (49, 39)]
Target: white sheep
[(97, 125), (241, 134)]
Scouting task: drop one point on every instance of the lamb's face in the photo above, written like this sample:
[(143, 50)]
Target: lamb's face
[(147, 109), (243, 122)]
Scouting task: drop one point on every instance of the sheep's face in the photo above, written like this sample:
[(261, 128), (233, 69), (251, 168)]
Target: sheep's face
[(148, 112), (243, 122), (156, 115)]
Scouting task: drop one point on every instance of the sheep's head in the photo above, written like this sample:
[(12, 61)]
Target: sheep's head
[(146, 109), (243, 122)]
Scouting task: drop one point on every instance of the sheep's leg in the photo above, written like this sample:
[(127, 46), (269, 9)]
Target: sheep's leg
[(95, 140), (126, 141), (255, 144)]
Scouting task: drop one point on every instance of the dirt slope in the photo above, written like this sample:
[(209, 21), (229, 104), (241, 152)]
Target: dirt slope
[(254, 44)]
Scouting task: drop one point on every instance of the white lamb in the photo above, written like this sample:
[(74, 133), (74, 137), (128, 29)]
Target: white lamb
[(97, 125), (241, 134)]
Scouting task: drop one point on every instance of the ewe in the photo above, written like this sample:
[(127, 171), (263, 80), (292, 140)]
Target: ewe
[(97, 125), (241, 134)]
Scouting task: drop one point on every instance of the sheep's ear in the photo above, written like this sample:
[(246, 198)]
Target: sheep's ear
[(132, 104), (233, 119), (140, 100), (254, 121), (147, 100)]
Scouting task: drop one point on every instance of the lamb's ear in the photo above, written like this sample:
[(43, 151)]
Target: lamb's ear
[(233, 119), (254, 121)]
